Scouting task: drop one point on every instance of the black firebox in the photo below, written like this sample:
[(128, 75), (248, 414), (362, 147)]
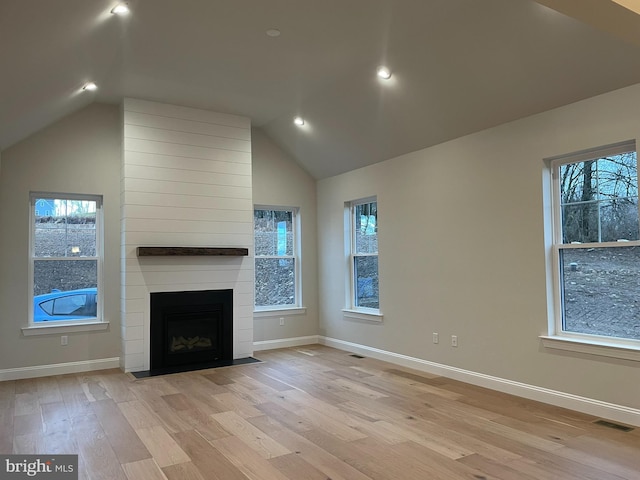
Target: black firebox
[(191, 328)]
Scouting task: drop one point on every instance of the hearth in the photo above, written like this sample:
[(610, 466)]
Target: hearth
[(193, 328)]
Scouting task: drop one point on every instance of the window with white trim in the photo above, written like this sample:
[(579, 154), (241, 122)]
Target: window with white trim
[(66, 259), (277, 258), (596, 247), (363, 255)]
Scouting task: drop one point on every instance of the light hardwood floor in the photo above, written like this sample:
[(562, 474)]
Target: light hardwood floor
[(305, 413)]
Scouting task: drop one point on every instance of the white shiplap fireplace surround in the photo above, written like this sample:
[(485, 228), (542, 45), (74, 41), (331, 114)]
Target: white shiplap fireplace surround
[(186, 182)]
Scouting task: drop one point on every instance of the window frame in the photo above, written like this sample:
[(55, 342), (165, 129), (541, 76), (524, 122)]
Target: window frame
[(297, 306), (557, 337), (63, 326), (352, 310)]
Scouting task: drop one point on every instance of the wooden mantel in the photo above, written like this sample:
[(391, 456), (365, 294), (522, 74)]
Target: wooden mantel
[(191, 251)]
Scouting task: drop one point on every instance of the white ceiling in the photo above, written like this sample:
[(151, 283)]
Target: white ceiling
[(459, 66)]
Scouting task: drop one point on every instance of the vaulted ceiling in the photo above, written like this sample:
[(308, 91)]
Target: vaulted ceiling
[(459, 66)]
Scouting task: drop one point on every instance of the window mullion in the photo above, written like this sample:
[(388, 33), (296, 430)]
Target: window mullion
[(632, 243), (64, 259)]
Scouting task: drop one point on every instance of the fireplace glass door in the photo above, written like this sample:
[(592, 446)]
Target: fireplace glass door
[(192, 337), (191, 328)]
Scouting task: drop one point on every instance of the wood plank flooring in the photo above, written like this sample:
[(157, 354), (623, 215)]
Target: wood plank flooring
[(305, 413)]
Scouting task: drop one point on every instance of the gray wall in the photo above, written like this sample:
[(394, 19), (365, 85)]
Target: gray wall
[(82, 154), (278, 180), (78, 154), (462, 250)]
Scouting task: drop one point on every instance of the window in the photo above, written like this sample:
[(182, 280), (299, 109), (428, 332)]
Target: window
[(276, 258), (596, 252), (66, 258), (363, 261)]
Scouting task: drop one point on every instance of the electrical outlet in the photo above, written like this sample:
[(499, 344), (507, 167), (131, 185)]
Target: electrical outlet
[(454, 340), (64, 340), (281, 321), (435, 337)]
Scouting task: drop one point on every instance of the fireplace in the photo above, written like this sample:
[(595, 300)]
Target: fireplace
[(191, 329)]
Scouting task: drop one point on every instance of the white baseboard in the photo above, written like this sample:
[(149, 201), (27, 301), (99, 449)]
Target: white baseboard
[(597, 408), (284, 343), (59, 369)]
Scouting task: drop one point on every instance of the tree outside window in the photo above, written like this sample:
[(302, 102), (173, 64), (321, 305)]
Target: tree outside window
[(364, 254), (596, 237)]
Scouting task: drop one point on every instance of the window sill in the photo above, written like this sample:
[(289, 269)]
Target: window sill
[(279, 312), (592, 347), (55, 328), (366, 315)]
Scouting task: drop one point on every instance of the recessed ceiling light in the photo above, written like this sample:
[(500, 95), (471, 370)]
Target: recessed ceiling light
[(298, 121), (120, 9), (384, 72), (273, 32), (90, 86)]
